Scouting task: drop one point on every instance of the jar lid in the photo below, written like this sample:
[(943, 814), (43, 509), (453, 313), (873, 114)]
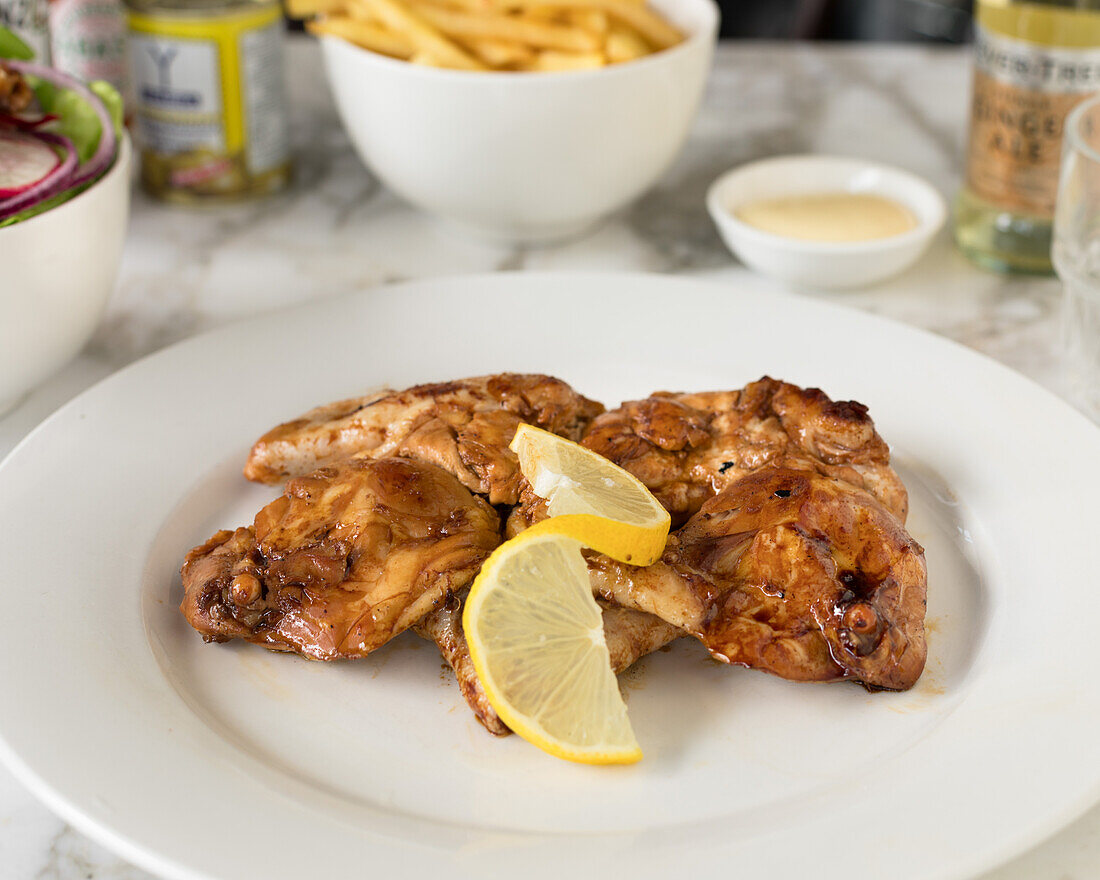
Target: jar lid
[(197, 8)]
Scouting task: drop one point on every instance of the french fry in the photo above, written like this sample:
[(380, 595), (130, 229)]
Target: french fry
[(542, 35), (554, 14), (500, 54), (624, 44), (477, 7), (362, 12), (657, 32), (551, 59), (426, 59), (423, 36), (594, 20), (362, 33), (536, 35), (306, 8)]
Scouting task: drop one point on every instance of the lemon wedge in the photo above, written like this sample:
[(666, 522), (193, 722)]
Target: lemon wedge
[(590, 499), (537, 642)]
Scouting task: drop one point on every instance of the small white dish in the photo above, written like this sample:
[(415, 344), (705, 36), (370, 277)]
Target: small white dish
[(524, 157), (59, 269), (824, 264)]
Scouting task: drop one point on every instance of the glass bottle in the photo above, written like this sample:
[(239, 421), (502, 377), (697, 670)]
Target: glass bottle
[(210, 98), (88, 40), (1033, 62)]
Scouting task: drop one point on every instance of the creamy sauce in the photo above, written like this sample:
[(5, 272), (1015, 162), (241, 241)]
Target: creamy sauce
[(837, 216)]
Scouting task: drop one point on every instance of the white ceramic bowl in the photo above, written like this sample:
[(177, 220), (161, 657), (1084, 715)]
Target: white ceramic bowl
[(57, 271), (824, 264), (524, 156)]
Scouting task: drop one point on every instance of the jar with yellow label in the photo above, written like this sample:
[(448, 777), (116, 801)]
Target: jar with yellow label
[(209, 95), (1034, 61)]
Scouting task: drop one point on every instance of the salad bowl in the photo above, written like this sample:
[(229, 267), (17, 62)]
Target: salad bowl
[(59, 269), (64, 202)]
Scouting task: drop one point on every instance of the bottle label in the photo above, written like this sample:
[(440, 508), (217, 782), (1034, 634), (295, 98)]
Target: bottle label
[(1023, 91), (210, 100), (263, 97), (179, 93), (88, 40)]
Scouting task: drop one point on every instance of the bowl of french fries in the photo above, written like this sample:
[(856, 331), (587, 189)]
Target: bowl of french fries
[(519, 120)]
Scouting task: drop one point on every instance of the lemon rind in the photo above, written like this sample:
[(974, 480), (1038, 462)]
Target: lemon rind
[(633, 543), (520, 723)]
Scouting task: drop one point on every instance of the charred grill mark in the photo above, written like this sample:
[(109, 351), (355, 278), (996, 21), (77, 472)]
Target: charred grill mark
[(381, 396), (435, 389), (846, 410), (268, 621), (858, 583)]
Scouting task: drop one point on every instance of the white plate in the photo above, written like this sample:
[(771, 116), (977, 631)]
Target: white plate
[(225, 761)]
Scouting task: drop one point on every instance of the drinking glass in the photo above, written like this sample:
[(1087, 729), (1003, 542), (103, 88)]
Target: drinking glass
[(1076, 255)]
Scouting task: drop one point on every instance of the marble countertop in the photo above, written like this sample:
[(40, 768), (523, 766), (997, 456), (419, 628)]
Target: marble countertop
[(337, 230)]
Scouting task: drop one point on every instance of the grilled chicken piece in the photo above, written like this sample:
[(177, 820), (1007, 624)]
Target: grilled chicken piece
[(688, 447), (444, 627), (792, 572), (348, 557), (463, 426), (630, 635), (809, 578)]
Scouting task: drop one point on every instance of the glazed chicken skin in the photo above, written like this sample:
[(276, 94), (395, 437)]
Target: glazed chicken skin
[(463, 426), (348, 557), (787, 571), (792, 572), (792, 557), (688, 447)]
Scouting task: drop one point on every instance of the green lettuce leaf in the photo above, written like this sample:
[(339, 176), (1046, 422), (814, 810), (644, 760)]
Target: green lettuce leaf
[(45, 205), (76, 118), (13, 47), (112, 100)]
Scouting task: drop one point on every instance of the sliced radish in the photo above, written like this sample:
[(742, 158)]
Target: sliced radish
[(105, 150), (24, 161), (27, 177), (58, 180)]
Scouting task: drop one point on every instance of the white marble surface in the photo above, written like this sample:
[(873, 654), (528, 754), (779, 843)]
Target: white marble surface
[(337, 230)]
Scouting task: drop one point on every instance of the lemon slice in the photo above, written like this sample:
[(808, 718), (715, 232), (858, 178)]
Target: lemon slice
[(590, 499), (536, 639)]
